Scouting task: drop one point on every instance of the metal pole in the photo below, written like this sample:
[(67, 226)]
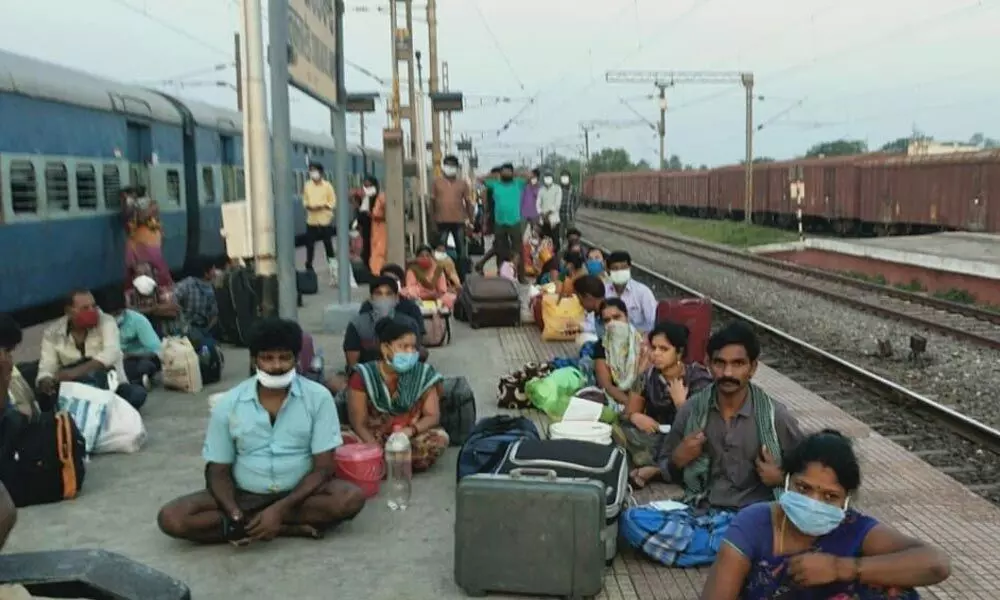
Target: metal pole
[(586, 146), (394, 101), (433, 85), (412, 80), (239, 72), (339, 122), (281, 142), (241, 76), (421, 154), (663, 126), (748, 200), (447, 117), (258, 141), (364, 149)]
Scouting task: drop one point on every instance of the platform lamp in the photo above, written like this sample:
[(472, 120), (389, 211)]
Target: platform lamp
[(360, 104)]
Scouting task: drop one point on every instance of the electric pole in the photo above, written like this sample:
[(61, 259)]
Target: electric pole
[(433, 84), (662, 130), (664, 79), (412, 81), (447, 119)]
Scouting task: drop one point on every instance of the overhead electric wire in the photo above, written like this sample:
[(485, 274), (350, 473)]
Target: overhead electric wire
[(497, 44)]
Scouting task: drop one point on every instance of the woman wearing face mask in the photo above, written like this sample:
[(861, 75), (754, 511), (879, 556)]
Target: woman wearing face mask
[(595, 264), (374, 200), (619, 356), (812, 545), (398, 390), (448, 266), (426, 280), (574, 269), (665, 387)]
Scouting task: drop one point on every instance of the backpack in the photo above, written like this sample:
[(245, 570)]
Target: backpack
[(487, 443), (458, 409), (210, 361), (41, 460)]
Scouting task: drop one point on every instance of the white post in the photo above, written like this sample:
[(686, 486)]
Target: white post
[(257, 147)]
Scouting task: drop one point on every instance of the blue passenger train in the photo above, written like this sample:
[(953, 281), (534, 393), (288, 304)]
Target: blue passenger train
[(69, 142)]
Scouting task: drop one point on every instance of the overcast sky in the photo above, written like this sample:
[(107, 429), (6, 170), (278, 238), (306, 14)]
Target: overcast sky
[(827, 69)]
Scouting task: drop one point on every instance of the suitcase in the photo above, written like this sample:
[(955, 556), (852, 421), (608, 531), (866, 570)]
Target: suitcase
[(696, 315), (237, 297), (489, 302), (529, 532), (575, 459), (307, 282)]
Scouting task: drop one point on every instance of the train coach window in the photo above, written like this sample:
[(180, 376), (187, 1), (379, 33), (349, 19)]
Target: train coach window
[(112, 180), (86, 187), (23, 187), (241, 184), (57, 186), (208, 181), (174, 186)]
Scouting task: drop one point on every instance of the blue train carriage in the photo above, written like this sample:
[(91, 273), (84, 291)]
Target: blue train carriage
[(69, 142)]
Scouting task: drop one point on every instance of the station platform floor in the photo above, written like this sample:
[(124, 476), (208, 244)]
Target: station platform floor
[(381, 552)]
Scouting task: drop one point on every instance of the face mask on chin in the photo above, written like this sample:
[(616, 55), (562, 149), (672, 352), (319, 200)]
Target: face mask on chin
[(275, 382)]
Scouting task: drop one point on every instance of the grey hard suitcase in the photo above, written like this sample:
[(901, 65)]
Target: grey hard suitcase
[(489, 302), (529, 532)]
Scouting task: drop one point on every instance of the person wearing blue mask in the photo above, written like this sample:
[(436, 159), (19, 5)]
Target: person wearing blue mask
[(595, 263), (811, 544), (398, 391)]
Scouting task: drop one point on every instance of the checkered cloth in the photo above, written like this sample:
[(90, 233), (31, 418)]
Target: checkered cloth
[(197, 300), (676, 538)]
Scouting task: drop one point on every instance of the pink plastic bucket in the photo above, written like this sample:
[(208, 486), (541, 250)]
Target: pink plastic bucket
[(361, 464)]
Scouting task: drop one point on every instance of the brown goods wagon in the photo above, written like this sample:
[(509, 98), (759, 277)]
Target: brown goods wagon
[(692, 190), (726, 191)]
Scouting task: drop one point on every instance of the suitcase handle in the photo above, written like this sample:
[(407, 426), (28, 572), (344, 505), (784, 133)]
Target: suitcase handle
[(548, 474)]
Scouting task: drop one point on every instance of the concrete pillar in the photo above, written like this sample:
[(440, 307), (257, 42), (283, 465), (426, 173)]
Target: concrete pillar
[(395, 213)]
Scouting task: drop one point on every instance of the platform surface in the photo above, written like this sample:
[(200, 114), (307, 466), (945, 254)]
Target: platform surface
[(382, 552)]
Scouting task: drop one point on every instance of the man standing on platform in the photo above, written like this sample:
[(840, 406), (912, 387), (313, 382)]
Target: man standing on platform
[(550, 202), (452, 209), (319, 200), (570, 202), (507, 191)]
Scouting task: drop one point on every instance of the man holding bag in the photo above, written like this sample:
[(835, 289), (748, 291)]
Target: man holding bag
[(82, 346)]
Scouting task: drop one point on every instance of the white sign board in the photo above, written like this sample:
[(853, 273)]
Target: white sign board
[(312, 34), (236, 229)]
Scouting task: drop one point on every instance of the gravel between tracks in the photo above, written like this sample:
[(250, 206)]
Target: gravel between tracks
[(952, 372)]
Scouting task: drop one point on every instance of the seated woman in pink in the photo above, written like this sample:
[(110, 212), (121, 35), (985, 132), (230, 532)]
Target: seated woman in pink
[(426, 280)]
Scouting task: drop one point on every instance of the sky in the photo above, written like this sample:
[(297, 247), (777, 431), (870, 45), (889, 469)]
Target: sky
[(534, 70)]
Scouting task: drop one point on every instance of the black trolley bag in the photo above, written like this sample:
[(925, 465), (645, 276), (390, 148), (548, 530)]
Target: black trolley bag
[(237, 298), (573, 459), (489, 302), (529, 532)]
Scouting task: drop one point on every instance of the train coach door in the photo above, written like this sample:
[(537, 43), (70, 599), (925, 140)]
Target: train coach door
[(977, 203), (228, 152), (139, 153)]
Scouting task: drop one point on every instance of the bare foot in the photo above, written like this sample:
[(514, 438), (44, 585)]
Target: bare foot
[(306, 531), (641, 476), (240, 543)]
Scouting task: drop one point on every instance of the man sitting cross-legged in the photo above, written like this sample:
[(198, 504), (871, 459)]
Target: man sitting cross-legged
[(269, 449)]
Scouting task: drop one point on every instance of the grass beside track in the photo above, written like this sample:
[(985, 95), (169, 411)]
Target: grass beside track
[(730, 233)]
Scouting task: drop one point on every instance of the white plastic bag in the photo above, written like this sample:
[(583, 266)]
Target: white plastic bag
[(88, 406), (181, 370), (123, 430)]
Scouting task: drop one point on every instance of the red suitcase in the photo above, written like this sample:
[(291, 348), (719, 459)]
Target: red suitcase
[(696, 315)]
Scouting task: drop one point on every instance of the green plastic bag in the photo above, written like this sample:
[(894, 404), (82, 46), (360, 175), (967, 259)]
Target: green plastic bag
[(551, 393)]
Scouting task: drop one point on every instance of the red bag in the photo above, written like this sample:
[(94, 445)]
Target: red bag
[(696, 315)]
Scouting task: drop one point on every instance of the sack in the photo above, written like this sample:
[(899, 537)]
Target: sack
[(458, 409), (88, 407), (123, 429), (181, 368), (307, 282), (560, 315), (237, 298), (488, 441), (210, 360), (42, 460), (436, 332), (551, 394)]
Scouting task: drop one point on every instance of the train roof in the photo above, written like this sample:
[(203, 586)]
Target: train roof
[(47, 81)]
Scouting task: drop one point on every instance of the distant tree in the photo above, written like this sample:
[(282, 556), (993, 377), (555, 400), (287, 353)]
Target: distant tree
[(703, 167), (984, 142), (558, 163), (674, 163), (763, 160), (837, 148), (897, 146), (643, 165), (610, 160)]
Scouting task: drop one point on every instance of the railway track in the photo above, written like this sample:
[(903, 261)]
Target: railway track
[(961, 321), (954, 443)]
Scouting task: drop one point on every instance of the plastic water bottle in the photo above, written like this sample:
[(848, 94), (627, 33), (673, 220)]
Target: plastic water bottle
[(318, 364), (205, 354), (397, 459)]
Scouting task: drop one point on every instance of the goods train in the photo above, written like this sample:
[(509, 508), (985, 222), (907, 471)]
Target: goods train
[(70, 141), (873, 194)]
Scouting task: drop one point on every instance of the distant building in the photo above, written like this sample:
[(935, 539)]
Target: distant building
[(929, 147)]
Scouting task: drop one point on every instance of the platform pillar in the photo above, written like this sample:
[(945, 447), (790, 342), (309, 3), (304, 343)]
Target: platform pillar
[(395, 212)]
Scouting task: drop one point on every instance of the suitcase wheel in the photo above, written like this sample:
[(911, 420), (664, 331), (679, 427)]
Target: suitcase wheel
[(474, 324), (475, 593)]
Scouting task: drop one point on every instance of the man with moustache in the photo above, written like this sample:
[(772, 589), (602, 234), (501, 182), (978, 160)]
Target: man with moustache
[(726, 443)]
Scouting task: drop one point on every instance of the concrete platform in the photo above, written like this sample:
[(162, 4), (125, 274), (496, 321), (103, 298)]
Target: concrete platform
[(382, 552)]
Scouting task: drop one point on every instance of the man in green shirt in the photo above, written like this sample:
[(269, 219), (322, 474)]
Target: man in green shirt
[(508, 229)]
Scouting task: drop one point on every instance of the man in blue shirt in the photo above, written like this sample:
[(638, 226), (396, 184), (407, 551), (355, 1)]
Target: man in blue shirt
[(269, 449), (138, 339), (508, 229)]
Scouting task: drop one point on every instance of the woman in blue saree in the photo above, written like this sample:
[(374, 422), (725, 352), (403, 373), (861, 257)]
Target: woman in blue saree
[(810, 545)]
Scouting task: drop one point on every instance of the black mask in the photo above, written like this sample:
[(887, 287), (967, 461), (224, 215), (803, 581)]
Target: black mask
[(507, 177)]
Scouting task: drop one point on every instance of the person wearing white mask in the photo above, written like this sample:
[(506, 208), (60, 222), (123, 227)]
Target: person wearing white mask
[(638, 298), (319, 200), (550, 200), (265, 478), (378, 246), (453, 209), (570, 202), (157, 303)]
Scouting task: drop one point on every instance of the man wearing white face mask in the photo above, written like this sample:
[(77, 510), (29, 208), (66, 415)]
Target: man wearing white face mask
[(265, 477), (452, 209), (319, 200), (550, 200), (638, 298), (570, 201)]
